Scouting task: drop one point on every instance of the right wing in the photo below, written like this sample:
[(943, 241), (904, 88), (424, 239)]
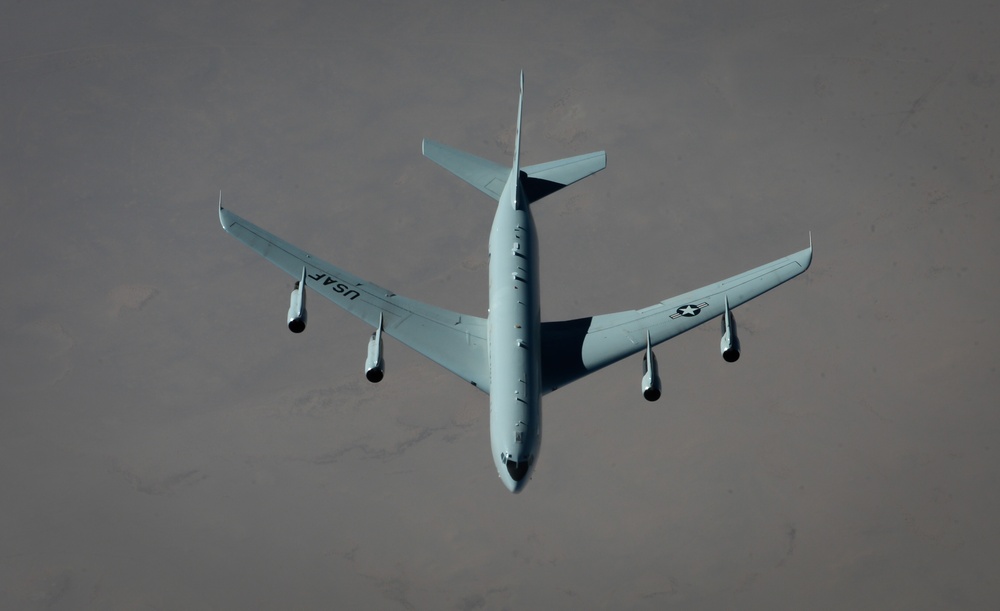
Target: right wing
[(572, 349), (455, 341)]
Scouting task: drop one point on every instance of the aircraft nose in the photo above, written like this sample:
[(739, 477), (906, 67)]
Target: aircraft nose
[(517, 474), (518, 470), (515, 487)]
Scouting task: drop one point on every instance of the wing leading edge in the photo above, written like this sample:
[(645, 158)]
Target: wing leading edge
[(455, 341), (572, 349)]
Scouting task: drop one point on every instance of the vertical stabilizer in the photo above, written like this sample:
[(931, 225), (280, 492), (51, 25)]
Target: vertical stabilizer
[(515, 174), (526, 185), (517, 134)]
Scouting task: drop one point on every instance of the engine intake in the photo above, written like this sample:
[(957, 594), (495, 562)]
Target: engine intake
[(730, 344), (297, 306)]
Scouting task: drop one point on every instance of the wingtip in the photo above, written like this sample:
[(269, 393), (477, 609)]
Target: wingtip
[(222, 214), (809, 251)]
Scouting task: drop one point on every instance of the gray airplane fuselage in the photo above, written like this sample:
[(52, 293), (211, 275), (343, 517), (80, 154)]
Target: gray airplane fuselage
[(513, 328)]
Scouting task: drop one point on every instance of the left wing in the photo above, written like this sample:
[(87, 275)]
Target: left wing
[(455, 341), (572, 349)]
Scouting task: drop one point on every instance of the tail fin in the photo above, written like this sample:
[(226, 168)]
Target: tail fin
[(517, 132), (537, 181), (543, 179)]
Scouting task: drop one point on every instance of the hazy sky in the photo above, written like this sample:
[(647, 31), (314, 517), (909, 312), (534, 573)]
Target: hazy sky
[(166, 443)]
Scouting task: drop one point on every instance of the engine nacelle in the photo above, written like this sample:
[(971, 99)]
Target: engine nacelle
[(375, 364), (297, 306), (650, 374), (730, 344)]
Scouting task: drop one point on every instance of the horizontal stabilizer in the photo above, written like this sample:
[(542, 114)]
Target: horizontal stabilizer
[(537, 180), (484, 175), (547, 178)]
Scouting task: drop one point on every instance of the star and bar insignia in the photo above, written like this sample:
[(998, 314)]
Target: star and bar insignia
[(689, 310)]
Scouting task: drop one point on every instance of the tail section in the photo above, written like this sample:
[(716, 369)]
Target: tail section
[(517, 131), (482, 174), (537, 181), (547, 178)]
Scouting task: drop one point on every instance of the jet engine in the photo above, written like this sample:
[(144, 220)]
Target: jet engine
[(297, 306), (650, 374), (730, 344), (375, 364)]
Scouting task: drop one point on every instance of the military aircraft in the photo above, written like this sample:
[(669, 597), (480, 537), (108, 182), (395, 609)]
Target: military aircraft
[(512, 355)]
